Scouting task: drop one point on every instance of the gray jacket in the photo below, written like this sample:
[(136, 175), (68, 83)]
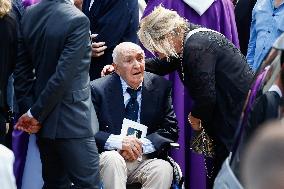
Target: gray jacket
[(52, 70)]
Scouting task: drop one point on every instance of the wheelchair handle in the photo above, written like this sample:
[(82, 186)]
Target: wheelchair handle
[(174, 145)]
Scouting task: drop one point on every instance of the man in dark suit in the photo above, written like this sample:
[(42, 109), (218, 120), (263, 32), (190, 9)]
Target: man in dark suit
[(52, 86), (114, 21), (142, 97)]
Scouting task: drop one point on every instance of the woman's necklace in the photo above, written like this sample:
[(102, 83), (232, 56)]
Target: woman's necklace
[(181, 67), (182, 54)]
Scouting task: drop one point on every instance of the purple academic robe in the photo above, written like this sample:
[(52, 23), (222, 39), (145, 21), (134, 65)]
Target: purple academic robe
[(220, 17), (27, 3), (20, 139)]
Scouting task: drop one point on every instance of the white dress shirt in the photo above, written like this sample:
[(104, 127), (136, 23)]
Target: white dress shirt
[(91, 3), (276, 89), (114, 142)]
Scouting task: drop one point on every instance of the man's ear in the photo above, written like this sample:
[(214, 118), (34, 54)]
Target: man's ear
[(115, 67)]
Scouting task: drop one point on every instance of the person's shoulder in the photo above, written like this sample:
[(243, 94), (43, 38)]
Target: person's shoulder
[(101, 83), (272, 96), (266, 98), (9, 19), (156, 79), (72, 12), (72, 16)]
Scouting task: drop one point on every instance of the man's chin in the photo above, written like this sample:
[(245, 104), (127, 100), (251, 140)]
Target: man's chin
[(137, 83)]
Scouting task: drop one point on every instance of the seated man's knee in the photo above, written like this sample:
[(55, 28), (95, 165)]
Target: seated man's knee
[(163, 169), (112, 158)]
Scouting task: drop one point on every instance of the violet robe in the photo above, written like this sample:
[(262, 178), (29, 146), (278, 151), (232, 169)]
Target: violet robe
[(220, 17), (20, 139), (27, 3)]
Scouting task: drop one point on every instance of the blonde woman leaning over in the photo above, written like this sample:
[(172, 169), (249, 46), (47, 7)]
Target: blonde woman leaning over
[(211, 68)]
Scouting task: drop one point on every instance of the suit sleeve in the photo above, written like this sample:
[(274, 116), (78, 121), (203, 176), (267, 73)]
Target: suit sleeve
[(202, 83), (23, 76), (256, 116), (76, 40), (169, 131), (161, 66), (101, 136)]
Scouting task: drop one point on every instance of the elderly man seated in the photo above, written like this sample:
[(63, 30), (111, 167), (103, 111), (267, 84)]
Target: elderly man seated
[(144, 98)]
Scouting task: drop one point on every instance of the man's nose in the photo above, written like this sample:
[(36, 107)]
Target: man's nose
[(136, 63)]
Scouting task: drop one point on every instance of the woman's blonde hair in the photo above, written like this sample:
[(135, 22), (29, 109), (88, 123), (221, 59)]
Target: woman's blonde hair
[(5, 7), (155, 27)]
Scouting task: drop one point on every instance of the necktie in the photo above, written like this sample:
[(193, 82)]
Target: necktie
[(132, 107)]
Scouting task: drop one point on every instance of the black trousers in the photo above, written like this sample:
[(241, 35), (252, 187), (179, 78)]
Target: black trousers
[(2, 129), (66, 161), (214, 165)]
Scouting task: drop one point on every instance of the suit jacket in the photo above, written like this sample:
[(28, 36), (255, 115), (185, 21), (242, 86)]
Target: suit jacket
[(51, 75), (217, 78), (115, 21), (156, 109), (8, 52), (265, 108)]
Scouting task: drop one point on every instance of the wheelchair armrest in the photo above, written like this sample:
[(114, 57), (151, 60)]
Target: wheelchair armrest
[(174, 145)]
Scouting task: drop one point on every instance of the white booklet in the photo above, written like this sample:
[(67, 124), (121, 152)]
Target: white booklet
[(130, 127)]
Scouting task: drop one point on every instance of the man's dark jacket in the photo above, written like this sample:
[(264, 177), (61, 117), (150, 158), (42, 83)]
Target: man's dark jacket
[(157, 111)]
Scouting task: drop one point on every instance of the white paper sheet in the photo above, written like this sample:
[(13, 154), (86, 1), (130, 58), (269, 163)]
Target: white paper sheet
[(130, 127)]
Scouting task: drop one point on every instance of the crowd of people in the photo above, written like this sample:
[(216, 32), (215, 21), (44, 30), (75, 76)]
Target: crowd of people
[(94, 94)]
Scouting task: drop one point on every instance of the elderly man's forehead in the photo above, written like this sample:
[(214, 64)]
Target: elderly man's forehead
[(130, 49), (131, 52)]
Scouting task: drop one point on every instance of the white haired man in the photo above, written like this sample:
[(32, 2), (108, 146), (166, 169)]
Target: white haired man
[(142, 97)]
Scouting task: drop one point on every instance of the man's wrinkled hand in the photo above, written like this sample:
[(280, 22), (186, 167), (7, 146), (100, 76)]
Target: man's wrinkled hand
[(28, 124), (107, 70), (131, 148)]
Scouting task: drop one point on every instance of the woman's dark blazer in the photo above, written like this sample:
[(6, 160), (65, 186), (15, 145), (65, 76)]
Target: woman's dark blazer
[(8, 50), (217, 77)]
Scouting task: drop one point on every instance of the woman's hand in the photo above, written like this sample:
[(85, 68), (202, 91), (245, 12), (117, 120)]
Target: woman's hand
[(107, 70), (194, 122)]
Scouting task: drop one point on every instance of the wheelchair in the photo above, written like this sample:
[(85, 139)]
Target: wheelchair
[(178, 179)]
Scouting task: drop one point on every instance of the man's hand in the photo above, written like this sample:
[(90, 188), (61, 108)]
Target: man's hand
[(131, 148), (195, 123), (107, 70), (78, 4), (28, 124), (97, 47)]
